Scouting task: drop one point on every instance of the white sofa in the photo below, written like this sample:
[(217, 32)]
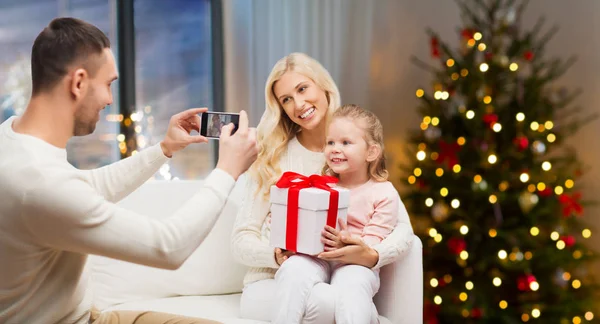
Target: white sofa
[(209, 283)]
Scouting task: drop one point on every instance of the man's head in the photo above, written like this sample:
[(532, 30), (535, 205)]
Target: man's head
[(71, 58)]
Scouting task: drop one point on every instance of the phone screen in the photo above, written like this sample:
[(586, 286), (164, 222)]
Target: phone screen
[(212, 122)]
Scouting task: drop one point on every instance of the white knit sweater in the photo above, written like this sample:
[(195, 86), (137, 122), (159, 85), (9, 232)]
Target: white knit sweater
[(53, 215), (250, 238)]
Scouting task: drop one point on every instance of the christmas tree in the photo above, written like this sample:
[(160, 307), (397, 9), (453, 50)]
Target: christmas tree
[(493, 184)]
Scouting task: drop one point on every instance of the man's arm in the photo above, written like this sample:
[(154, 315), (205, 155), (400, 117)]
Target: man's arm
[(69, 215), (114, 182)]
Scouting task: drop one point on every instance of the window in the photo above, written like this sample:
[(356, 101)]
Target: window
[(173, 56), (20, 23), (174, 70)]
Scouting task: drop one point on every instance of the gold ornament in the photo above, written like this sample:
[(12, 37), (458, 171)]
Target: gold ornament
[(440, 211), (527, 201)]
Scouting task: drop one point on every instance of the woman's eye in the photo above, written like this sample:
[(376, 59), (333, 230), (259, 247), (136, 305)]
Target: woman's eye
[(285, 100), (302, 89)]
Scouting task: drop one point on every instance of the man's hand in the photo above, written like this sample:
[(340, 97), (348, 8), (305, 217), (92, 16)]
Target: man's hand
[(179, 133), (282, 255), (238, 151), (332, 238)]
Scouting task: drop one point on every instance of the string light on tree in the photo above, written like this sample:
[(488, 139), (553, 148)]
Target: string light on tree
[(476, 147)]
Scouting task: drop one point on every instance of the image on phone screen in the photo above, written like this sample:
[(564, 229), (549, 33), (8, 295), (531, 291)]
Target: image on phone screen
[(212, 122)]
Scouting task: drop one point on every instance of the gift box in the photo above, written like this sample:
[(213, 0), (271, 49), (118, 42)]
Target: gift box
[(301, 207)]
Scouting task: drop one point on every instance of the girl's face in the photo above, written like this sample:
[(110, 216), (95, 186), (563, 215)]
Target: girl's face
[(347, 151), (303, 101)]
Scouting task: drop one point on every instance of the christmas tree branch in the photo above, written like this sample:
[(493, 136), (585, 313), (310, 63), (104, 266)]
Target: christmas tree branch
[(469, 14), (417, 61), (521, 9), (546, 38)]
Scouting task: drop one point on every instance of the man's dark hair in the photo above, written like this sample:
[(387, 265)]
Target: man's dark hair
[(65, 42)]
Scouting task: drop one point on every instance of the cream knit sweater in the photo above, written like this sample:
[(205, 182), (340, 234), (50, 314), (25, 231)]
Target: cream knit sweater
[(53, 215), (250, 237)]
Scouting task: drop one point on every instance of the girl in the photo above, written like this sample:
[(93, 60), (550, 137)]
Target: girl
[(354, 154), (300, 96)]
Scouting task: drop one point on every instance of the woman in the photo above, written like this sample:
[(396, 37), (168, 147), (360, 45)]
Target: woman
[(300, 96)]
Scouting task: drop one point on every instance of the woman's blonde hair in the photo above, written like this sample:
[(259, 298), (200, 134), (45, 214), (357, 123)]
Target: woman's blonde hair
[(373, 131), (275, 128)]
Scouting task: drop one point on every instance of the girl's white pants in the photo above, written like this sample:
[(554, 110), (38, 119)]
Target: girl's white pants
[(308, 290)]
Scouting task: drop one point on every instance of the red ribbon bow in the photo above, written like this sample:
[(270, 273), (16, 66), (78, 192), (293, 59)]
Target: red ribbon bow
[(296, 182), (571, 204)]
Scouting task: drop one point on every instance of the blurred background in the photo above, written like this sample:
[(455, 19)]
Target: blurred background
[(218, 54)]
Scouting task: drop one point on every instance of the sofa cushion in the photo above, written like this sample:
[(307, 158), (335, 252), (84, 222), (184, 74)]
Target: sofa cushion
[(211, 269), (224, 308)]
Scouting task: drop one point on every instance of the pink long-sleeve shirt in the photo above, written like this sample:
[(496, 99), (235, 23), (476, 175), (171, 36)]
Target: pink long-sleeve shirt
[(373, 209)]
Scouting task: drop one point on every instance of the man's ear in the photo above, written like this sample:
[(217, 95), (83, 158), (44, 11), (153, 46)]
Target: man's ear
[(79, 83), (373, 152)]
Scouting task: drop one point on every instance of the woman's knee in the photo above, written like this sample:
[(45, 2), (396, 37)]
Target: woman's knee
[(300, 266), (354, 277)]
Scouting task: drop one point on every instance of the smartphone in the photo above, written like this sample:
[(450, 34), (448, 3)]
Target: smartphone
[(211, 123)]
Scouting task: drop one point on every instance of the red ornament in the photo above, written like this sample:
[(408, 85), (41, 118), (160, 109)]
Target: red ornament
[(476, 313), (441, 283), (547, 192), (569, 240), (571, 204), (456, 245), (448, 153), (488, 56), (524, 282), (490, 119), (435, 47), (522, 142), (528, 55), (430, 311), (467, 33)]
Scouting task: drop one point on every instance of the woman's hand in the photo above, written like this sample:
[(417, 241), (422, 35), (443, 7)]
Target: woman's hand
[(282, 255), (355, 251)]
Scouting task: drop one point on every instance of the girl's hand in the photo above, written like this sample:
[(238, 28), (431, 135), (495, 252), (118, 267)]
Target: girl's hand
[(356, 252), (332, 238)]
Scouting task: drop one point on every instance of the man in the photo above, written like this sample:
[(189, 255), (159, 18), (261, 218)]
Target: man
[(53, 215)]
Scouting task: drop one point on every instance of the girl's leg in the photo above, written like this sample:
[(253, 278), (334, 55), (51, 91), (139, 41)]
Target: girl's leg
[(295, 281), (258, 302), (355, 287)]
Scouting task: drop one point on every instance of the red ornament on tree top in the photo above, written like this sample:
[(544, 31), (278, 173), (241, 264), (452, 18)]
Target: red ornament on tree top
[(467, 33), (435, 47)]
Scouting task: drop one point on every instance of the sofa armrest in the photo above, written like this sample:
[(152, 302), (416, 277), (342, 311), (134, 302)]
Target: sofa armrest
[(400, 297)]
